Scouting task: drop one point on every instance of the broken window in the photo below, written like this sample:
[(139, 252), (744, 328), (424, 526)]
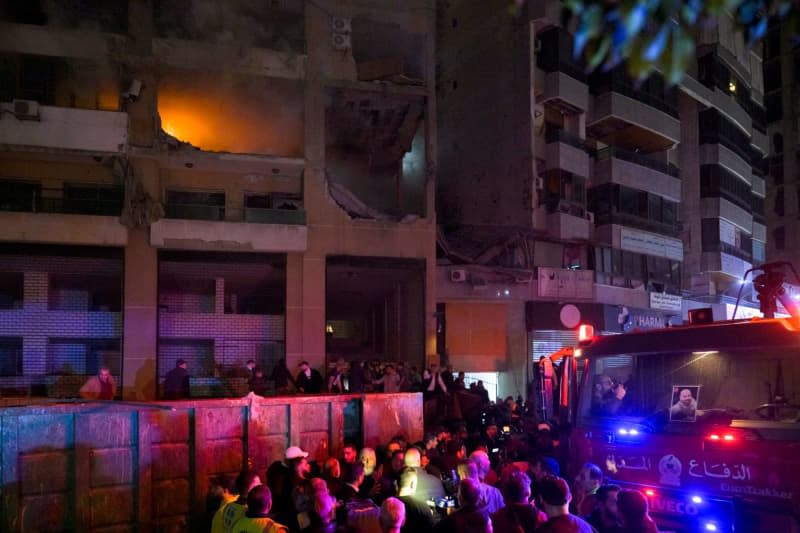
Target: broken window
[(375, 153), (239, 114)]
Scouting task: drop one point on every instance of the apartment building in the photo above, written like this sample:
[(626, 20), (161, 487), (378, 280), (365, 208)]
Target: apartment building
[(213, 182), (781, 71), (568, 197)]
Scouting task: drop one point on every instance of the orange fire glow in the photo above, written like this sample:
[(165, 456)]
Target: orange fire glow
[(108, 97), (234, 115)]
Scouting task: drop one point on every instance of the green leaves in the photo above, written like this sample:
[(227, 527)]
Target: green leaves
[(658, 34)]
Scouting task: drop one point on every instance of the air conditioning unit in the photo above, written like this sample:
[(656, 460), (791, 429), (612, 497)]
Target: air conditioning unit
[(458, 275), (26, 109), (539, 184), (341, 41), (590, 216), (341, 25)]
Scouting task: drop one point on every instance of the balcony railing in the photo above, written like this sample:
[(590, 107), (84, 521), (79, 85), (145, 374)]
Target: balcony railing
[(638, 159), (275, 216), (715, 128), (253, 215), (195, 212), (729, 249), (92, 200), (633, 221), (653, 92), (554, 204), (553, 135)]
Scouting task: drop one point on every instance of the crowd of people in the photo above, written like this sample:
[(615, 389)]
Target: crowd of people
[(447, 483), (357, 377)]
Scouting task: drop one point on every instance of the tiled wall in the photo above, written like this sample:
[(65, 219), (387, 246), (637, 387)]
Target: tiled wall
[(58, 329)]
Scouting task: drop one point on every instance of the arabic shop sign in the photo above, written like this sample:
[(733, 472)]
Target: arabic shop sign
[(643, 242), (667, 302), (566, 283)]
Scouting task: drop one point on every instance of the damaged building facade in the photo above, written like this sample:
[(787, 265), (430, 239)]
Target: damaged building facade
[(213, 182), (565, 197)]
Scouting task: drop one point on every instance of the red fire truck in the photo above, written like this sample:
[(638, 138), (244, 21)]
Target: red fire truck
[(703, 418)]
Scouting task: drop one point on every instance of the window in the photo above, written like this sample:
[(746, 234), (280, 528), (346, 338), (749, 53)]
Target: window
[(11, 290), (10, 356), (777, 143), (196, 205), (779, 237), (258, 201), (759, 253), (83, 356), (731, 386), (779, 207)]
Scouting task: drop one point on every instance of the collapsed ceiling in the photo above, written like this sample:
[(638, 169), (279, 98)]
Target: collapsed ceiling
[(379, 126)]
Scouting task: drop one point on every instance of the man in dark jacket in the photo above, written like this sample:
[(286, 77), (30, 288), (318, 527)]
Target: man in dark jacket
[(308, 381), (176, 382)]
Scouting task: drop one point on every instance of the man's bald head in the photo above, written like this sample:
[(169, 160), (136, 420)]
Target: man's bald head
[(412, 458)]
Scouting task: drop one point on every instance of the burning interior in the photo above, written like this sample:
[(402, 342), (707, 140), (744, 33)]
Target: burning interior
[(238, 114)]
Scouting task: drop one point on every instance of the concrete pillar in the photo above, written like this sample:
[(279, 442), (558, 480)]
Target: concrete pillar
[(294, 309), (313, 326), (513, 380), (305, 311), (140, 324)]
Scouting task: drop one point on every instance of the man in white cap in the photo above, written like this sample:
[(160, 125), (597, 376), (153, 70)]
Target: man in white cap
[(288, 482)]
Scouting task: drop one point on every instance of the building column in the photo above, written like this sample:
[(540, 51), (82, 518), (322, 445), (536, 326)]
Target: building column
[(513, 380), (140, 325), (305, 311)]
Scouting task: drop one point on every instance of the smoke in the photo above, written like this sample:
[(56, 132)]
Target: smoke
[(278, 25)]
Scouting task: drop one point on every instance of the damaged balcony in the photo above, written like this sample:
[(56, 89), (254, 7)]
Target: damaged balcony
[(376, 162), (270, 218)]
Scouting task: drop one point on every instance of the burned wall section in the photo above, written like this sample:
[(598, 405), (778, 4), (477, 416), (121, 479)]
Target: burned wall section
[(217, 311), (233, 113), (485, 163), (375, 150)]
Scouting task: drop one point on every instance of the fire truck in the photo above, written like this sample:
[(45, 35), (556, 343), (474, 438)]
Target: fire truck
[(704, 419)]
